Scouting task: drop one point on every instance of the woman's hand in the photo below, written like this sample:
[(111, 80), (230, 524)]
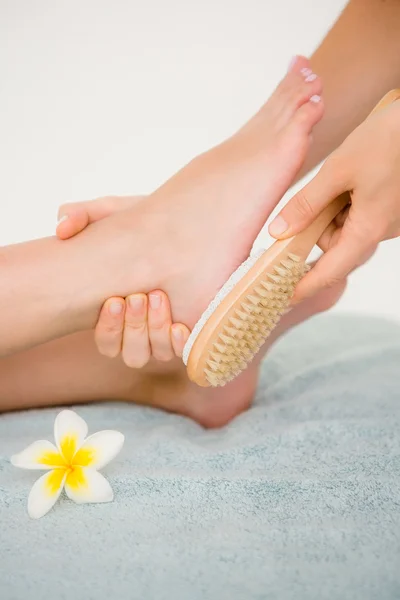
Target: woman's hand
[(367, 165), (73, 217), (140, 326)]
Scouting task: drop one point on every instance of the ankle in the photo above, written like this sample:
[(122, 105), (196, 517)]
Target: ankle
[(113, 261)]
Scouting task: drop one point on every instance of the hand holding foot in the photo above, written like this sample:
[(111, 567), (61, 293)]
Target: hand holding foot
[(138, 327), (240, 181)]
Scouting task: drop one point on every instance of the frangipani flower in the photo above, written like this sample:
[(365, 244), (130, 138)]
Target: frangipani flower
[(73, 464)]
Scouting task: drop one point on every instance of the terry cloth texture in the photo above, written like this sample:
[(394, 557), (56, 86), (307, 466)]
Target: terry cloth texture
[(298, 498)]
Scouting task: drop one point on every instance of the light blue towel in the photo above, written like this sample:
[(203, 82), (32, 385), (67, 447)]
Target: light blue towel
[(298, 498)]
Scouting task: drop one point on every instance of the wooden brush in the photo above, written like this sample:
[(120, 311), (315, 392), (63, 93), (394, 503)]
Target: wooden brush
[(248, 307)]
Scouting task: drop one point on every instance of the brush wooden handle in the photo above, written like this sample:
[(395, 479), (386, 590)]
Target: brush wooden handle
[(302, 243)]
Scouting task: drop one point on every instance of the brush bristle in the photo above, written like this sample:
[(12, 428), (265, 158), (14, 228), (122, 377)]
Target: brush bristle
[(250, 325)]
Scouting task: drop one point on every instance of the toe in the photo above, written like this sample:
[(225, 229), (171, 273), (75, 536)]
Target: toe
[(297, 87), (308, 114), (295, 138)]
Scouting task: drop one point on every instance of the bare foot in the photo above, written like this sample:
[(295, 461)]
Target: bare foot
[(193, 232), (199, 226), (166, 386), (70, 371)]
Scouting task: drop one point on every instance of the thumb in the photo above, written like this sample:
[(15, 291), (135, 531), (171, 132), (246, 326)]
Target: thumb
[(74, 217), (355, 246), (308, 203), (100, 207), (72, 222)]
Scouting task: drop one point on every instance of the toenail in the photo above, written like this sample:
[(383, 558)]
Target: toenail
[(293, 61), (306, 72), (315, 99), (155, 301), (311, 77), (278, 226), (115, 308), (136, 303)]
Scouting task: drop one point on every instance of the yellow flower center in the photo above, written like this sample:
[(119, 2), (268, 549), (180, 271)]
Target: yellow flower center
[(68, 464)]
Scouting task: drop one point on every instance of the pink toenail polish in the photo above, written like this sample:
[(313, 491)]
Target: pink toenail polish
[(155, 301), (278, 226), (315, 99), (292, 63), (311, 77), (305, 71)]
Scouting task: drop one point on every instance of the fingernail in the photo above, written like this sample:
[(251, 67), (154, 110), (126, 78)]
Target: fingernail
[(293, 61), (115, 308), (311, 77), (62, 219), (155, 301), (315, 99), (278, 226), (136, 303), (305, 71), (177, 333)]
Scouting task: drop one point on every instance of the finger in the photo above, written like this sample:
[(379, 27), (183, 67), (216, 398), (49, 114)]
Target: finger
[(179, 335), (73, 217), (330, 237), (99, 208), (342, 216), (306, 205), (348, 253), (70, 225), (332, 233), (136, 345), (109, 328), (159, 316)]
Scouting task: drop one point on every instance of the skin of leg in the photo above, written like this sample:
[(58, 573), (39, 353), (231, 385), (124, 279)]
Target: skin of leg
[(332, 61), (71, 371), (178, 217), (192, 250), (51, 311), (149, 329), (239, 181), (364, 40), (203, 244)]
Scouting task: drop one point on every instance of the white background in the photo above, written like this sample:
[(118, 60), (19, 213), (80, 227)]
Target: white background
[(100, 97)]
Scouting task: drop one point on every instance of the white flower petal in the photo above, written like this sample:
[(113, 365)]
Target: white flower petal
[(99, 449), (45, 493), (70, 431), (39, 455), (87, 485)]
